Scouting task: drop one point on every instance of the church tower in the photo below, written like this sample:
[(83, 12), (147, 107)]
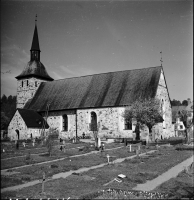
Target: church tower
[(32, 75)]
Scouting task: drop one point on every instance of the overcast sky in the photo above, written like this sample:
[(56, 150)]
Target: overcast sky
[(89, 37)]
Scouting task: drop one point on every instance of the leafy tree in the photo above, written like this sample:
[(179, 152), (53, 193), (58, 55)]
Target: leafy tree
[(175, 103), (146, 113), (3, 99), (8, 107), (185, 103), (9, 99), (187, 119), (4, 121)]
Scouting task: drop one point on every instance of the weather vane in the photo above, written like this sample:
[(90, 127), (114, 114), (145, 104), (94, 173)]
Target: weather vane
[(161, 58), (36, 18)]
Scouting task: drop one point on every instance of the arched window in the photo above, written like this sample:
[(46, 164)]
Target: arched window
[(93, 125), (35, 83), (27, 83), (65, 123), (128, 124), (22, 83), (18, 133)]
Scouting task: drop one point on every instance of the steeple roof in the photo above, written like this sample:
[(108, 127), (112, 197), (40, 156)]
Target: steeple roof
[(35, 42), (34, 67)]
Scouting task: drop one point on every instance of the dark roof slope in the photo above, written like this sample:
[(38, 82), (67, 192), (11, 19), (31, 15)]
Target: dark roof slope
[(36, 69), (32, 118), (99, 90)]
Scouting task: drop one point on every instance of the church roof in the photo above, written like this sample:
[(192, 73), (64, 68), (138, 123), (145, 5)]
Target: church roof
[(99, 90), (32, 119), (35, 41), (36, 69)]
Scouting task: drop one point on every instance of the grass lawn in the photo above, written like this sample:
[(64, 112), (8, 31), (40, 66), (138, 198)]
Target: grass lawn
[(56, 153), (30, 173), (137, 171), (181, 186), (10, 150)]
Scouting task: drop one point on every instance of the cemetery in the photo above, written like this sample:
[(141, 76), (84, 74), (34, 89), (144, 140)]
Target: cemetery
[(81, 166)]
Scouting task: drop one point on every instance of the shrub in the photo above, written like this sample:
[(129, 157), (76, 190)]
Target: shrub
[(26, 178), (6, 139), (182, 148), (28, 156), (28, 159)]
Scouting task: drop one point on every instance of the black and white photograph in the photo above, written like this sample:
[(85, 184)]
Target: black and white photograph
[(97, 99)]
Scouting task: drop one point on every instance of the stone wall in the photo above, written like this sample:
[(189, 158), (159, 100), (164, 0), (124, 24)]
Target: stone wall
[(26, 92), (110, 122), (164, 130), (55, 120), (17, 123)]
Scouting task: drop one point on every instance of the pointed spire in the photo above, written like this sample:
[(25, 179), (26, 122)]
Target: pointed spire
[(35, 41)]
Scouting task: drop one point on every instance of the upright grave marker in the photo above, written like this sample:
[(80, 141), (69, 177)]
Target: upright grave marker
[(43, 181), (108, 158)]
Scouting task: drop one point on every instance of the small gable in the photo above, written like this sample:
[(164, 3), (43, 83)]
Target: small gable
[(32, 119), (17, 120)]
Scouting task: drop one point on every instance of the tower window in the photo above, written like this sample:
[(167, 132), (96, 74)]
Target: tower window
[(65, 122), (35, 83), (27, 83), (22, 83)]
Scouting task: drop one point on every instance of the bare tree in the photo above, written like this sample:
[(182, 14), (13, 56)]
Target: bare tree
[(50, 141), (6, 72)]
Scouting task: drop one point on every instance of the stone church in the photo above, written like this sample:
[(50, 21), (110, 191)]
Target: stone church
[(74, 105)]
